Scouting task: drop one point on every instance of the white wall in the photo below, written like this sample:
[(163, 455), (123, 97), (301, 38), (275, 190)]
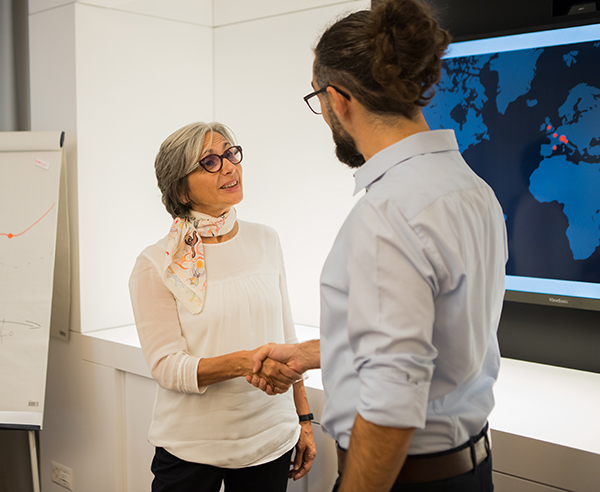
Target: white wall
[(118, 76), (292, 180), (139, 78)]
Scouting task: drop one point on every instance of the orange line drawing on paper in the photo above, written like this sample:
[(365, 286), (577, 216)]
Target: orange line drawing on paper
[(10, 235)]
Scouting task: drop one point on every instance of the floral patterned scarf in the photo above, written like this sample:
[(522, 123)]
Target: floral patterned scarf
[(184, 272)]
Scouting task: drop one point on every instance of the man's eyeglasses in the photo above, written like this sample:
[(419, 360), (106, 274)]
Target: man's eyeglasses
[(314, 103), (213, 163)]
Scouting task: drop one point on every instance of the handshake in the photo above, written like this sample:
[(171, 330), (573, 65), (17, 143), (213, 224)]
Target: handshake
[(277, 366)]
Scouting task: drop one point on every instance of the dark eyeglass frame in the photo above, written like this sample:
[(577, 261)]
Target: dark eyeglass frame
[(320, 91), (221, 157)]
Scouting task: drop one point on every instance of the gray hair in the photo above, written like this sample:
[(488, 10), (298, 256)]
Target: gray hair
[(176, 158)]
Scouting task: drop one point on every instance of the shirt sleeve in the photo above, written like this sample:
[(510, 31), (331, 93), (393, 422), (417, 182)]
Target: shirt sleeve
[(289, 328), (391, 316), (157, 322)]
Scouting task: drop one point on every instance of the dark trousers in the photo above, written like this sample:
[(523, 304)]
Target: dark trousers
[(172, 474)]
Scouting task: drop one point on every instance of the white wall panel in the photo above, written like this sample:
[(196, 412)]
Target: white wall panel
[(192, 11), (139, 402), (64, 421), (234, 11), (139, 78), (54, 107), (292, 180), (101, 440), (41, 5), (81, 420), (324, 472)]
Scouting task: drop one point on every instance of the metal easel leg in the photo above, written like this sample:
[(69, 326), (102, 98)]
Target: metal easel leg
[(34, 462)]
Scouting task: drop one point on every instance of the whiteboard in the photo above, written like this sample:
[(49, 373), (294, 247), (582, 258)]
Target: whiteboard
[(30, 170)]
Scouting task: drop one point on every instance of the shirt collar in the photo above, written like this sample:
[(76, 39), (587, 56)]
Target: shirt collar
[(421, 143)]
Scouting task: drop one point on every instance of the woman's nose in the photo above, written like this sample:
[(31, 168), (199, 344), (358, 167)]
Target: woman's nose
[(228, 166)]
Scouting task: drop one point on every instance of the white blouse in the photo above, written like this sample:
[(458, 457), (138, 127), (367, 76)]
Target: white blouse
[(230, 424)]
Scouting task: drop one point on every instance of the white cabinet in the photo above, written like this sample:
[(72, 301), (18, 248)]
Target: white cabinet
[(544, 463), (100, 399), (138, 402), (506, 483), (324, 471)]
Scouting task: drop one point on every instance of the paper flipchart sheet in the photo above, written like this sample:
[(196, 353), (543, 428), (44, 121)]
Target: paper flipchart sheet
[(30, 167)]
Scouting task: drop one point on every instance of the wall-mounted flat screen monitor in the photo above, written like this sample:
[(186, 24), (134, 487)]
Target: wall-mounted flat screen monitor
[(526, 112)]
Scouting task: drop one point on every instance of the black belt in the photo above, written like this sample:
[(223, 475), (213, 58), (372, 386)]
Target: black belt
[(422, 468)]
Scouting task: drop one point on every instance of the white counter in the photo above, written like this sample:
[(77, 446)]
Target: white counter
[(546, 403)]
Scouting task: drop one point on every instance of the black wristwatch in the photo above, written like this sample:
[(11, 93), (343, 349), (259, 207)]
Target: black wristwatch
[(304, 418)]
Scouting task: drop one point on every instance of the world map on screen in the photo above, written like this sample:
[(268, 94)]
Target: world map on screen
[(528, 122)]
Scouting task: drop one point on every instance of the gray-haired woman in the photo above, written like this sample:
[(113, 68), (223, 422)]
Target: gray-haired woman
[(205, 298)]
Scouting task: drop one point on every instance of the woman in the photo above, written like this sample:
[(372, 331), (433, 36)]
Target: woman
[(205, 298)]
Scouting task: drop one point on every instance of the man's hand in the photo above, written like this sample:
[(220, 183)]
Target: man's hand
[(275, 376), (300, 357), (306, 451)]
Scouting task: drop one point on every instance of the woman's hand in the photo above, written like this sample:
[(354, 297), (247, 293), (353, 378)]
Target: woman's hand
[(306, 451), (275, 377)]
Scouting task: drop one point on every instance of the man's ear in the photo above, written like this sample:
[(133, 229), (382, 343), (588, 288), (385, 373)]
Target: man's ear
[(339, 104)]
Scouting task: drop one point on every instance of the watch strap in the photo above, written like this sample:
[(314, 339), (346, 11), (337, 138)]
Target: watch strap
[(305, 417)]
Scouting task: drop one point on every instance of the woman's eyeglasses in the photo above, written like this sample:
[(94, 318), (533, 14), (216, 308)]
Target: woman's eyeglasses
[(213, 163)]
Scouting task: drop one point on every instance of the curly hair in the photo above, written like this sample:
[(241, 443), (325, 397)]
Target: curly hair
[(389, 57)]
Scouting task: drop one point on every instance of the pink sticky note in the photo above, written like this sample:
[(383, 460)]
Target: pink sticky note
[(42, 164)]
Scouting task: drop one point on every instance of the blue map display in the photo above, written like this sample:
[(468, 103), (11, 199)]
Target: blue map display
[(528, 122)]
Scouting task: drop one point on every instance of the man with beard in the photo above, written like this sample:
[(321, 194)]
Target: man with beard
[(412, 290)]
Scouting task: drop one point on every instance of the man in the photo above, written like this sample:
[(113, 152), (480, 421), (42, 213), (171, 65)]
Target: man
[(412, 290)]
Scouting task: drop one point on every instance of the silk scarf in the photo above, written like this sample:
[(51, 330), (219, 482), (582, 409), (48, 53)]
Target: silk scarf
[(184, 271)]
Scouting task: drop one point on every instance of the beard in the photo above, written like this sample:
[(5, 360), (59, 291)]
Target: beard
[(345, 146)]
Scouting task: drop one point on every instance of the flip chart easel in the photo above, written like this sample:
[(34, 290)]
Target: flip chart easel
[(31, 166)]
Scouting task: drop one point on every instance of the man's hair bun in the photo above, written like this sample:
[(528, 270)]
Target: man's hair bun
[(389, 57)]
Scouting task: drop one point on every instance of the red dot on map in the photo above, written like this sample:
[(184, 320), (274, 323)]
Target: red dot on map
[(554, 148), (563, 139), (10, 236), (549, 127), (555, 135)]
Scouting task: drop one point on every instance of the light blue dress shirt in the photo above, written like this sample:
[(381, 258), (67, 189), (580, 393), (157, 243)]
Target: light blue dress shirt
[(411, 295)]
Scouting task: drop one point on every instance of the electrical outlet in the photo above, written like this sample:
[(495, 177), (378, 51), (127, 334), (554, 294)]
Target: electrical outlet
[(62, 475)]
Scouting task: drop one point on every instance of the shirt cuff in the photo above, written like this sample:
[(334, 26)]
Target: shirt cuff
[(187, 376), (391, 403)]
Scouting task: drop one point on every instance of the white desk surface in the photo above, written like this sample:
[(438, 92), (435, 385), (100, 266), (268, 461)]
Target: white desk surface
[(547, 403)]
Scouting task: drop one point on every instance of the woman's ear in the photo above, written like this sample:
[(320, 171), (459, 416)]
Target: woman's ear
[(182, 193)]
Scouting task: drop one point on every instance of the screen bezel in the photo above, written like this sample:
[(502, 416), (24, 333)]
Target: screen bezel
[(539, 38)]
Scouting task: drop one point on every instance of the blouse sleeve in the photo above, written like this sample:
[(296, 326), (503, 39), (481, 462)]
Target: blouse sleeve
[(289, 328), (157, 322)]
